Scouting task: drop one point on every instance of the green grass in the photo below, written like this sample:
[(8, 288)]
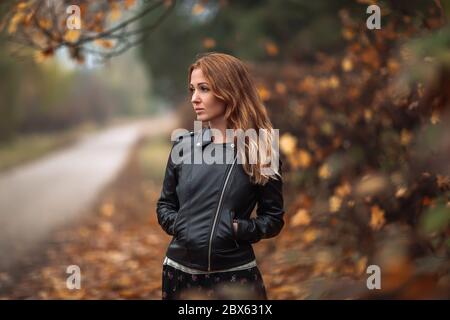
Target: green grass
[(27, 147), (152, 157)]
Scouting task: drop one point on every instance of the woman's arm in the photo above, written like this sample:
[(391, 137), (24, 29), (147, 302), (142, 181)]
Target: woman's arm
[(269, 220), (168, 205)]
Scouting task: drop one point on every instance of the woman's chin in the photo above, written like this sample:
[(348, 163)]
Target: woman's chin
[(202, 117)]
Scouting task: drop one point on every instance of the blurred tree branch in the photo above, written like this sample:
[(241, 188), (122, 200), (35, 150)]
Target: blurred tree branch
[(107, 27)]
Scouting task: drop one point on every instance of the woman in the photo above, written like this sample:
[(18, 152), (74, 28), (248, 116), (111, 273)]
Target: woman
[(206, 206)]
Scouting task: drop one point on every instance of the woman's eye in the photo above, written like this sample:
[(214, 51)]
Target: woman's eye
[(204, 89)]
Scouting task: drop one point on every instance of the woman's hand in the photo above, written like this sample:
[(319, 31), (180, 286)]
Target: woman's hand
[(235, 226)]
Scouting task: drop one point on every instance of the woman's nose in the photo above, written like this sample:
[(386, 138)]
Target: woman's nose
[(195, 97)]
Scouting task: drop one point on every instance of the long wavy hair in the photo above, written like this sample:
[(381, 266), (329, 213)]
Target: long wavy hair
[(231, 83)]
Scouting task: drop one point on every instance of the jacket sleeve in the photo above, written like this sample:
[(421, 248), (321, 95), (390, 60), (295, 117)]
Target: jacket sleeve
[(167, 206), (269, 213)]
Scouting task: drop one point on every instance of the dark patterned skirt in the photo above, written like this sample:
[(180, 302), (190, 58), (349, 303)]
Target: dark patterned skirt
[(242, 284)]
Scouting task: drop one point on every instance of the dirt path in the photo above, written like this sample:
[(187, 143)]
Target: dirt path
[(43, 195)]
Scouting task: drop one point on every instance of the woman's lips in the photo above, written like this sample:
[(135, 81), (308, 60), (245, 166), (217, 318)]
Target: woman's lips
[(199, 110)]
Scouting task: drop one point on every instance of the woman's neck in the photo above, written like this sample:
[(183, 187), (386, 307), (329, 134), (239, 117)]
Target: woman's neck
[(221, 126)]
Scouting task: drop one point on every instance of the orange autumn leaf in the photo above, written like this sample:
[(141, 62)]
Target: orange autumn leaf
[(129, 3), (198, 9), (45, 23), (301, 218), (304, 158), (280, 88), (343, 189), (347, 64), (72, 35), (15, 21), (107, 44), (107, 209), (115, 12), (264, 93), (335, 203), (310, 235), (271, 49), (377, 219), (324, 171), (41, 56), (288, 143), (209, 43)]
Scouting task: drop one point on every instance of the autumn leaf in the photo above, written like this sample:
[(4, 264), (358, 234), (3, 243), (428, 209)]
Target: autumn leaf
[(304, 158), (343, 189), (347, 33), (107, 44), (435, 117), (288, 143), (335, 203), (347, 64), (377, 219), (107, 209), (45, 24), (14, 22), (301, 218), (334, 82), (405, 137), (324, 171), (264, 93), (361, 265), (129, 3), (42, 56), (72, 35), (401, 192), (115, 12), (280, 88), (443, 182), (209, 43), (309, 235), (271, 48), (198, 9)]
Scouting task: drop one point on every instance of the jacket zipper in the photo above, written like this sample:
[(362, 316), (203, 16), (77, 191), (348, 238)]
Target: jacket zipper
[(217, 212)]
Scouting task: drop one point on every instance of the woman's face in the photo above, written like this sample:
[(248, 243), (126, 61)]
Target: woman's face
[(207, 106)]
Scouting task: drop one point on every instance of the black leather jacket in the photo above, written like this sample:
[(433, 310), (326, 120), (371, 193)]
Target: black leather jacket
[(198, 203)]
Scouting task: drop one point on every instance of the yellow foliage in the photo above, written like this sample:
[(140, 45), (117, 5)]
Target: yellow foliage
[(335, 203), (324, 171), (377, 219), (301, 218), (264, 93), (115, 12), (304, 158), (347, 64), (15, 21), (72, 35), (288, 143)]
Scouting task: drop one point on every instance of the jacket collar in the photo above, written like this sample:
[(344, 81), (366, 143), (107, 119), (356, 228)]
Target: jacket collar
[(203, 137)]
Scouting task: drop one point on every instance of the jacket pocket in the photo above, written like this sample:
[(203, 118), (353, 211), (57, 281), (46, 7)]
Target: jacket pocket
[(224, 239)]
